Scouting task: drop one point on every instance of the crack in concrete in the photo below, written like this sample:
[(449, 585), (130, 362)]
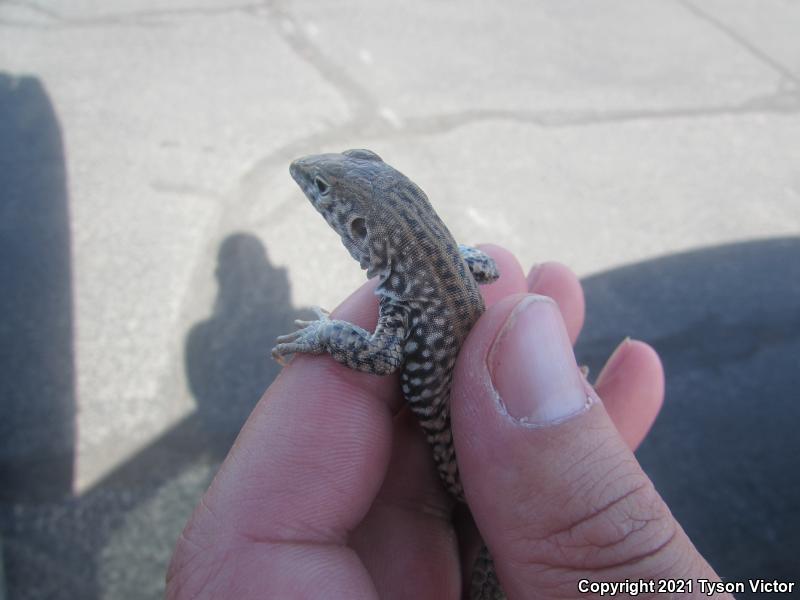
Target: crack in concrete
[(182, 189), (255, 178), (369, 120), (57, 20), (740, 40), (358, 96), (559, 119), (374, 126)]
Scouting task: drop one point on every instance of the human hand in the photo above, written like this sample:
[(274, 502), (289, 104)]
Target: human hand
[(330, 487)]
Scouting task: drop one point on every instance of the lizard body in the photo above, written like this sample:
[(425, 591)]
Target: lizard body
[(428, 296)]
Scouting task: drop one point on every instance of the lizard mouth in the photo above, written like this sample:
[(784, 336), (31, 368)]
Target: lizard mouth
[(301, 177)]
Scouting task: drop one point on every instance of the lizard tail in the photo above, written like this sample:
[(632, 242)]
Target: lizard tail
[(484, 585)]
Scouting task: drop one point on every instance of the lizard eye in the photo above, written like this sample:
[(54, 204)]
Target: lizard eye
[(322, 186), (358, 229)]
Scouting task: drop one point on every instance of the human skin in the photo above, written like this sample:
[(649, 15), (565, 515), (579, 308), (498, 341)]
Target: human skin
[(330, 487)]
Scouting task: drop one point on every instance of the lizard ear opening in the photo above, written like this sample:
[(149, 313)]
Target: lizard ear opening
[(358, 229), (362, 154)]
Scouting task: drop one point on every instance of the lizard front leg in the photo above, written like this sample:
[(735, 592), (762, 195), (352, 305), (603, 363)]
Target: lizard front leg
[(481, 265), (380, 352)]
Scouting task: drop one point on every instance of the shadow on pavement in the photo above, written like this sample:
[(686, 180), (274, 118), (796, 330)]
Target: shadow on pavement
[(228, 365), (114, 540), (725, 451), (145, 502), (228, 360), (37, 372)]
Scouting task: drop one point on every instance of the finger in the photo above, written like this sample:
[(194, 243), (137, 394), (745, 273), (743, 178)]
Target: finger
[(409, 527), (631, 385), (555, 491), (562, 285), (511, 280), (302, 474)]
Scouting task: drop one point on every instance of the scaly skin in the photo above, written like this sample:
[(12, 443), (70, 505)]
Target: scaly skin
[(428, 297)]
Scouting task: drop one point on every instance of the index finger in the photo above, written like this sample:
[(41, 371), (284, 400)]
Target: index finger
[(313, 453)]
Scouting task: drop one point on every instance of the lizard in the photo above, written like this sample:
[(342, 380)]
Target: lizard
[(428, 298)]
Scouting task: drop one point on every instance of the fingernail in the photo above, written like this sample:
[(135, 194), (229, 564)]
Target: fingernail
[(533, 368), (613, 364), (534, 275)]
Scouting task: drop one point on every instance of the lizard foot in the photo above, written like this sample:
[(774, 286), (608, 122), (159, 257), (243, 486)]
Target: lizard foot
[(307, 339)]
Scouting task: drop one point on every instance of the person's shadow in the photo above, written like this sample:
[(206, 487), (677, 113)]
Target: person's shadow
[(140, 507), (228, 366), (70, 548), (227, 356)]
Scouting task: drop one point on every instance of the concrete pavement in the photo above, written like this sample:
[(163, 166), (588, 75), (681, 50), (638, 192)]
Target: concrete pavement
[(153, 243)]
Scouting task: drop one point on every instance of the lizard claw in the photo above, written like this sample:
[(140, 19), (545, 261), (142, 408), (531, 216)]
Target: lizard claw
[(279, 357)]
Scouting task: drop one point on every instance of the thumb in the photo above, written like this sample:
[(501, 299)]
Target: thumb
[(555, 491)]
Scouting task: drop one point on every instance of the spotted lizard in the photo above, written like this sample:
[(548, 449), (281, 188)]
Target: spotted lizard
[(428, 298)]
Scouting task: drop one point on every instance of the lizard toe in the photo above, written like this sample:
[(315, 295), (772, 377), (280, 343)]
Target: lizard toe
[(321, 313), (302, 323), (289, 337)]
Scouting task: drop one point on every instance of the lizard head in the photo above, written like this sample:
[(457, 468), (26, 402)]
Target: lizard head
[(340, 186)]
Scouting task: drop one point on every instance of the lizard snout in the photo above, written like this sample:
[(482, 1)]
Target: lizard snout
[(296, 170)]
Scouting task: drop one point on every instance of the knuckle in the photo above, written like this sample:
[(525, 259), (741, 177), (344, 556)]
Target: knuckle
[(614, 521), (622, 529), (621, 522)]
